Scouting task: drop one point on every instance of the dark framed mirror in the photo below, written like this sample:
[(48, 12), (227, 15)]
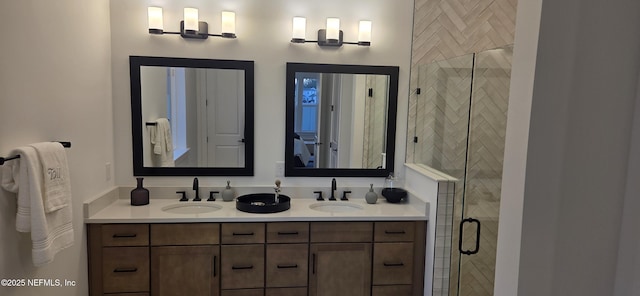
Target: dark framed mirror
[(340, 120), (192, 117)]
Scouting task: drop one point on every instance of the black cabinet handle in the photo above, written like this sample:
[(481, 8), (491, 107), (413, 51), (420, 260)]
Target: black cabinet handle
[(313, 270), (126, 269), (243, 233), (287, 265), (469, 252), (215, 265), (394, 232), (394, 264), (242, 266), (124, 235), (287, 233)]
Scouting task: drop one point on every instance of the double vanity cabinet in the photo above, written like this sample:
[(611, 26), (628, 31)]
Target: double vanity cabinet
[(379, 258)]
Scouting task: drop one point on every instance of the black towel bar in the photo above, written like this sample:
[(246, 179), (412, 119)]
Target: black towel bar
[(2, 159)]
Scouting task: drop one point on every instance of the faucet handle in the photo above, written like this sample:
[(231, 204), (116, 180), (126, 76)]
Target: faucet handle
[(344, 195), (212, 195), (319, 195), (184, 195)]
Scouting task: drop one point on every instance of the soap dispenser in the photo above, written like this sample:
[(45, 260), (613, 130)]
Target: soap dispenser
[(371, 197), (228, 194)]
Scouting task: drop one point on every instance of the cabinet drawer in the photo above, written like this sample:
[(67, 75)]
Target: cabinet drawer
[(125, 269), (242, 266), (302, 291), (243, 292), (394, 231), (185, 234), (392, 263), (287, 265), (288, 232), (341, 232), (242, 233), (396, 290), (119, 235)]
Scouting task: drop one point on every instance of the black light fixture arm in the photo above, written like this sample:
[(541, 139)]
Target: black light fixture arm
[(202, 33)]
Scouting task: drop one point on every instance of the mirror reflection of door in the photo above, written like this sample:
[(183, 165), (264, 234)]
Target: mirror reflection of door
[(221, 97)]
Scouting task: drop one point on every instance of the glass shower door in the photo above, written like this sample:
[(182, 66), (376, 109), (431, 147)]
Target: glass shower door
[(442, 123), (483, 173), (460, 116)]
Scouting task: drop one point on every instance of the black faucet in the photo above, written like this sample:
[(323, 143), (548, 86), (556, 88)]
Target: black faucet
[(197, 189), (333, 189)]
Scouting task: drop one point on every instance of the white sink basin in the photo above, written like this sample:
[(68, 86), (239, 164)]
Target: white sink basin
[(335, 207), (190, 208)]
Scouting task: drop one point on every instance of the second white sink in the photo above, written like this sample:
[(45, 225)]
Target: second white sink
[(190, 208), (335, 207)]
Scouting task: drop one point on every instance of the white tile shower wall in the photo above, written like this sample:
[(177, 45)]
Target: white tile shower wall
[(444, 221)]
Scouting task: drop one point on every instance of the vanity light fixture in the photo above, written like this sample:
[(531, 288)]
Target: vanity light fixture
[(191, 26), (331, 35)]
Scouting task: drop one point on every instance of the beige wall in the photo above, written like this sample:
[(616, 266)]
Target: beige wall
[(55, 84)]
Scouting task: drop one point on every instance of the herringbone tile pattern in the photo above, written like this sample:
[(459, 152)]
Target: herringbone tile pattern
[(444, 29)]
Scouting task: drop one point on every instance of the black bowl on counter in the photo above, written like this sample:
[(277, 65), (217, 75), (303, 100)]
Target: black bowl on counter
[(394, 195)]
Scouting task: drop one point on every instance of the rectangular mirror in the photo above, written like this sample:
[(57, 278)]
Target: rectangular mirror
[(340, 120), (191, 116)]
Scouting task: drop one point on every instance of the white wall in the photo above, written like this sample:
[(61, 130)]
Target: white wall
[(264, 30), (569, 194), (55, 85)]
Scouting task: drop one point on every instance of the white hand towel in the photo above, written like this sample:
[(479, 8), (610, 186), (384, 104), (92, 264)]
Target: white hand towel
[(57, 186), (162, 143), (50, 232)]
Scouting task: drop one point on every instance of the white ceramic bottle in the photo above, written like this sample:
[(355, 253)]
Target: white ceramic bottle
[(371, 197), (228, 193)]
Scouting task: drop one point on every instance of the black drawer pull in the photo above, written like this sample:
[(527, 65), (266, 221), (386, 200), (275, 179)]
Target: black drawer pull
[(313, 261), (287, 265), (394, 232), (130, 269), (393, 264), (124, 235), (215, 266), (242, 267), (287, 233), (243, 233)]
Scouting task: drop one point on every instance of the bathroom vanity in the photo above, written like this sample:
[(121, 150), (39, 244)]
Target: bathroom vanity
[(376, 249)]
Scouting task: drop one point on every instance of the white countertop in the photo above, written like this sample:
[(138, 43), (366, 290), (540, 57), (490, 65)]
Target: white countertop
[(115, 207)]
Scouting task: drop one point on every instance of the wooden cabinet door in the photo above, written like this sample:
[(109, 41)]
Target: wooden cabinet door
[(185, 270), (340, 269)]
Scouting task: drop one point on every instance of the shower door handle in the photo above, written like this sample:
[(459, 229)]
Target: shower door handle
[(469, 252)]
